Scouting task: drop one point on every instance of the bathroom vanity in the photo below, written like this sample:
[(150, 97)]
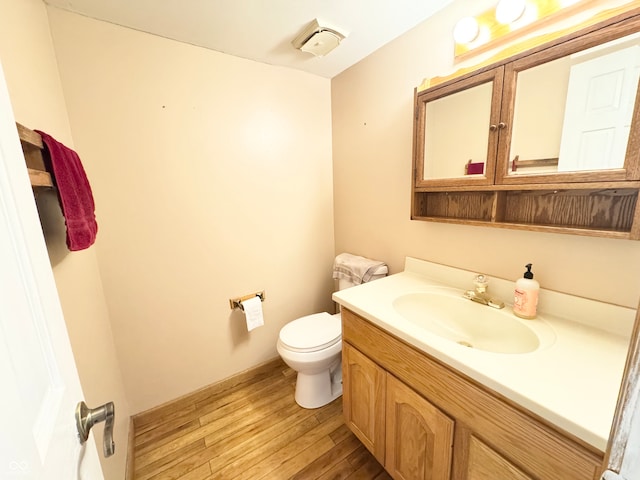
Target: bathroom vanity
[(430, 407)]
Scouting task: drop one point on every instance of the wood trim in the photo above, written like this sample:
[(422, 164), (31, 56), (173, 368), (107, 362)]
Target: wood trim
[(530, 442), (585, 232), (130, 465), (534, 186)]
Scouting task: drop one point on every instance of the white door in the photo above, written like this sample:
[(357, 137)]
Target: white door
[(598, 111), (39, 381)]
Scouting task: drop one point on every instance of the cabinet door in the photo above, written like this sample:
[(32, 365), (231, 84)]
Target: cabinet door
[(478, 461), (419, 436), (569, 112), (363, 399), (456, 132)]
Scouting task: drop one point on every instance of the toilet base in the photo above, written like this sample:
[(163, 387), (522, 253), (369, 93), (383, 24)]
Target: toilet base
[(318, 389)]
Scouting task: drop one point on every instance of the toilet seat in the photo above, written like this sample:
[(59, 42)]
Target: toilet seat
[(311, 333)]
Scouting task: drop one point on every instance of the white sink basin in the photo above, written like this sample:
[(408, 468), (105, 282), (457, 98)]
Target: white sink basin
[(446, 313)]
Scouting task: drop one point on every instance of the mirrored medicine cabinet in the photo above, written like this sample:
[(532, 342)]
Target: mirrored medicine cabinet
[(546, 140)]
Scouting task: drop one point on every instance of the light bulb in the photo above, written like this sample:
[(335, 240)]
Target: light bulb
[(508, 11), (466, 30)]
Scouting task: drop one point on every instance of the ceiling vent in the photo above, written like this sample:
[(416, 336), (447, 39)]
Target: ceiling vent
[(318, 40)]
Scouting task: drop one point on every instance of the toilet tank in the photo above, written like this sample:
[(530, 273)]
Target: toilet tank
[(380, 272)]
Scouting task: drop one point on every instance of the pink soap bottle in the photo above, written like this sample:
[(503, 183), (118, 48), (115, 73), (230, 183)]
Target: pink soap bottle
[(525, 301)]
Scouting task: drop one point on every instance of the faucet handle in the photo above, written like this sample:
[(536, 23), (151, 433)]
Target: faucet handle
[(481, 282)]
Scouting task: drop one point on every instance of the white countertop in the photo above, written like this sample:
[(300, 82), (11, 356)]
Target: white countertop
[(573, 382)]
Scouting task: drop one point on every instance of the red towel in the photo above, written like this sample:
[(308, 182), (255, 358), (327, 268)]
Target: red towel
[(74, 193)]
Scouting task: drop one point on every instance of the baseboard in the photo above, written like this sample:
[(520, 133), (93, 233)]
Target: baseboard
[(130, 463)]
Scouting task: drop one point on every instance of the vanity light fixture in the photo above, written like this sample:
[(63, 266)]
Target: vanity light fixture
[(508, 11), (466, 30), (318, 40), (508, 20)]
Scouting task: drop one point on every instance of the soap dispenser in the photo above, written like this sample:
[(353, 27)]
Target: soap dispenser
[(525, 301)]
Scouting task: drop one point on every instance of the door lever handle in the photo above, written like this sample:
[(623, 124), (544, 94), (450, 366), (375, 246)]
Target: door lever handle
[(87, 417)]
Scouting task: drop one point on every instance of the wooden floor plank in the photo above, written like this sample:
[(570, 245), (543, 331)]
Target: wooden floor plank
[(269, 458), (249, 428), (157, 431), (296, 463), (166, 463), (209, 409), (369, 471), (339, 471), (201, 473), (212, 432), (167, 437), (319, 467), (168, 416), (249, 404), (273, 452), (167, 445), (256, 438), (220, 389)]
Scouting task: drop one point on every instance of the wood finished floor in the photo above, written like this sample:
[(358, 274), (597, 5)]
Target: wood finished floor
[(249, 427)]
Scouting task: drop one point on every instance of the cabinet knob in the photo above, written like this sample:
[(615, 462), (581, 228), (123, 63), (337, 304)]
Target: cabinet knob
[(493, 128), (502, 125)]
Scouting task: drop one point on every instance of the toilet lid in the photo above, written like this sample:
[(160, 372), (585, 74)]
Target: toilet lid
[(311, 333)]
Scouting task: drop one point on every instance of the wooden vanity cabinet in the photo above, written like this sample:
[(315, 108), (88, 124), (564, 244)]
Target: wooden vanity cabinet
[(424, 420), (419, 436), (478, 461), (404, 432), (363, 399)]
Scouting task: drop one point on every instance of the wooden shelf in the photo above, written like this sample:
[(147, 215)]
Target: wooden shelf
[(40, 178), (32, 146), (606, 212)]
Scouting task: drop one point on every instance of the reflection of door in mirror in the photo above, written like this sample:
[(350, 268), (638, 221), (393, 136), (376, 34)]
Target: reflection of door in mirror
[(574, 113), (456, 131), (599, 110)]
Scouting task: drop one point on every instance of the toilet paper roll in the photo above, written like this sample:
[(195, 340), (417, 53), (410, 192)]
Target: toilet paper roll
[(253, 311)]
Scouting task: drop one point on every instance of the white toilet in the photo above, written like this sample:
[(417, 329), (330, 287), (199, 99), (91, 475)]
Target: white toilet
[(312, 346)]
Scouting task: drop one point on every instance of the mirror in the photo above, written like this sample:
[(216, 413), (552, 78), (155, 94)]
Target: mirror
[(445, 155), (574, 113)]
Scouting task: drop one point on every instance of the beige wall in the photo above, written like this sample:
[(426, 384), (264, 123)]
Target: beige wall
[(29, 63), (213, 179), (372, 136)]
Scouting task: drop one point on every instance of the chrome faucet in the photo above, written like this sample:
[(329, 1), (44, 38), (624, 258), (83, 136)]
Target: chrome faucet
[(480, 293)]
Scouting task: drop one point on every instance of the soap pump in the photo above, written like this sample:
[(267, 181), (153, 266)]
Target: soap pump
[(525, 300)]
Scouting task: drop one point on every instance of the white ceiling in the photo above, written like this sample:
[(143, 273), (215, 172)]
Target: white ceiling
[(262, 30)]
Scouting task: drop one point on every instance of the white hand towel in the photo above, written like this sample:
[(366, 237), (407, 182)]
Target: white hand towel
[(354, 268)]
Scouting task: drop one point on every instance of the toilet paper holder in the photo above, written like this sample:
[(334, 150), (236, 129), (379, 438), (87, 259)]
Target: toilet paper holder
[(237, 302)]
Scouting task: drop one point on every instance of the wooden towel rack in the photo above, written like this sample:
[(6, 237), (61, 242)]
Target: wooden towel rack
[(32, 148)]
